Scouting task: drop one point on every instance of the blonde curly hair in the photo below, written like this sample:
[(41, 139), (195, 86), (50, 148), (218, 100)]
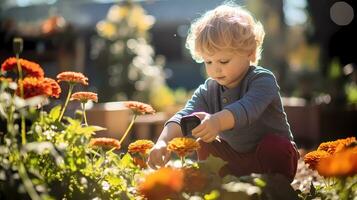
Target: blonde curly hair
[(227, 27)]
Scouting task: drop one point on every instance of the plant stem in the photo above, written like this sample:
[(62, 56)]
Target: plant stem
[(71, 85), (41, 115), (19, 68), (27, 183), (84, 113), (182, 161), (128, 129), (23, 124)]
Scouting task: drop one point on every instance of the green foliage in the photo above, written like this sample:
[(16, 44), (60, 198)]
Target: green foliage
[(125, 58), (344, 188), (212, 164), (335, 69), (57, 161), (351, 91)]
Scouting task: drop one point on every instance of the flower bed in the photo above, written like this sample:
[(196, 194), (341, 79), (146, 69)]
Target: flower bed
[(58, 157)]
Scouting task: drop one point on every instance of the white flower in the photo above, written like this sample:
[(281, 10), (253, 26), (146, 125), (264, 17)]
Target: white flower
[(105, 185)]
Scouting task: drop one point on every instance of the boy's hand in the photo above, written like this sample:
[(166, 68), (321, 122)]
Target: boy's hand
[(159, 155), (208, 129)]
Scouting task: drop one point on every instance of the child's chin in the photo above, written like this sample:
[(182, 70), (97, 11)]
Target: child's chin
[(221, 82)]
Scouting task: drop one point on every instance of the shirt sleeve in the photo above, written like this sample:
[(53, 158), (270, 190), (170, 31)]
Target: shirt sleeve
[(262, 90), (197, 103)]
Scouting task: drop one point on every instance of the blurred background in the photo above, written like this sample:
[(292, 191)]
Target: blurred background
[(135, 50)]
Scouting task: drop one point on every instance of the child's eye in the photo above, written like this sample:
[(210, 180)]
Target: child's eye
[(208, 62), (224, 61)]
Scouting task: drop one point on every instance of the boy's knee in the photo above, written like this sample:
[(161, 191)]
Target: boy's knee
[(277, 154), (273, 146)]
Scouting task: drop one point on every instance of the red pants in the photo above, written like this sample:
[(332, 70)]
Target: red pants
[(274, 154)]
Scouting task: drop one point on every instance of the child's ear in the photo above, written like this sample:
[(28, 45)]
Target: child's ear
[(252, 56)]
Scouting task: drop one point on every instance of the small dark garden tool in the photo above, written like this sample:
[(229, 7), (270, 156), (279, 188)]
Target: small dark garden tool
[(188, 123)]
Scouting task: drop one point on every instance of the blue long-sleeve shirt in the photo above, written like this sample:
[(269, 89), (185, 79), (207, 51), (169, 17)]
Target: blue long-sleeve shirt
[(255, 104)]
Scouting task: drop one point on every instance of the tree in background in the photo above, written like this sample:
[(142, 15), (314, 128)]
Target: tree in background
[(125, 60)]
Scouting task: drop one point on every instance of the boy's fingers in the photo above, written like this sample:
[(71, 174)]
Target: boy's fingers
[(151, 164), (211, 139), (167, 157), (198, 129), (206, 137), (155, 160)]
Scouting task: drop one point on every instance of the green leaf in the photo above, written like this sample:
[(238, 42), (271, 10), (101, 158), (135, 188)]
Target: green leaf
[(214, 194), (97, 128), (116, 181), (259, 182), (126, 161), (212, 164), (229, 178), (55, 112), (335, 69), (73, 122), (88, 130), (98, 163)]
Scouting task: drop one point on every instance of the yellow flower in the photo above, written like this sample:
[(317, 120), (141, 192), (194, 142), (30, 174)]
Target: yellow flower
[(106, 29), (145, 24), (341, 164), (136, 15), (162, 184), (140, 146), (117, 13), (183, 146)]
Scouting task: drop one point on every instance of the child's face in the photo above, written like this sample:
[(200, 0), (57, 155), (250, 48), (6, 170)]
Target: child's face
[(226, 67)]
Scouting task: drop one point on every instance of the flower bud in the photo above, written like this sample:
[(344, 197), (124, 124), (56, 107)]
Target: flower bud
[(18, 45)]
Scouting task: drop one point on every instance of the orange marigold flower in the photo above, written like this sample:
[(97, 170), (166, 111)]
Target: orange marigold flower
[(313, 158), (34, 87), (195, 180), (31, 69), (139, 162), (341, 164), (337, 145), (162, 184), (107, 143), (344, 143), (72, 77), (183, 146), (84, 96), (329, 147), (56, 89), (140, 146), (139, 107)]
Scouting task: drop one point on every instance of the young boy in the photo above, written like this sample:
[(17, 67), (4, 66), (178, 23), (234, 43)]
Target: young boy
[(242, 117)]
